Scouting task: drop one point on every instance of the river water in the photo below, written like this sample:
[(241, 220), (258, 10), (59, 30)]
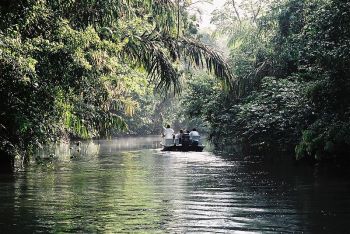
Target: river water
[(129, 185)]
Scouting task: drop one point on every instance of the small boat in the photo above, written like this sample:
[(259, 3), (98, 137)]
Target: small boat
[(184, 145), (197, 148)]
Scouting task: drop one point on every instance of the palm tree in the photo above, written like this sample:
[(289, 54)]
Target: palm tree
[(52, 87), (155, 49)]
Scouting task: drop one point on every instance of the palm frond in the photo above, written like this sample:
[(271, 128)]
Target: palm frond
[(157, 53), (107, 12), (201, 55), (149, 52)]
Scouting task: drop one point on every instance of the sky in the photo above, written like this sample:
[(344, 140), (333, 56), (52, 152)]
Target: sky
[(207, 9)]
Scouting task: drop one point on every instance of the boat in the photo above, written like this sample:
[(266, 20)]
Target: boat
[(196, 148), (184, 145)]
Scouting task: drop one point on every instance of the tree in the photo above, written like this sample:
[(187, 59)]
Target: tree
[(292, 85), (67, 67)]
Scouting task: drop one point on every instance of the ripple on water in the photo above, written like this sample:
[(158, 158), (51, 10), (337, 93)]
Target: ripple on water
[(146, 190)]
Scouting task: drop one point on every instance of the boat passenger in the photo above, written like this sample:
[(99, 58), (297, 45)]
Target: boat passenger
[(168, 132), (185, 139), (194, 137), (194, 134), (179, 136)]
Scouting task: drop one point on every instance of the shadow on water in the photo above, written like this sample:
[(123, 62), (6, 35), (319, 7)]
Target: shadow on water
[(129, 185)]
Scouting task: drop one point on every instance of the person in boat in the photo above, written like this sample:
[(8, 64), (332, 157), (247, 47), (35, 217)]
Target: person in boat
[(194, 137), (179, 136), (185, 139), (168, 133), (194, 134)]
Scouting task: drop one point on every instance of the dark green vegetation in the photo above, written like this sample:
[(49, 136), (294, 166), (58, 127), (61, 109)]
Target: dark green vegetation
[(84, 69), (292, 92), (81, 68)]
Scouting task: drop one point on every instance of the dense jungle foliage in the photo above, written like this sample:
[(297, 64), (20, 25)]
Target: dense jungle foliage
[(292, 92), (81, 69), (85, 69)]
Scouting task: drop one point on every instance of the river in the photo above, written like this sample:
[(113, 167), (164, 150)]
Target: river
[(129, 185)]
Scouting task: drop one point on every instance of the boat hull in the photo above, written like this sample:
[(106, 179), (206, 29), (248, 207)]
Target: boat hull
[(196, 148)]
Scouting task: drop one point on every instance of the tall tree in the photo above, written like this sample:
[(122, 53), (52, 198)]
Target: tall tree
[(67, 66)]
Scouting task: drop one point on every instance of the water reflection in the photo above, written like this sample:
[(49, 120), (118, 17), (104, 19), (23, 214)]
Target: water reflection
[(129, 185)]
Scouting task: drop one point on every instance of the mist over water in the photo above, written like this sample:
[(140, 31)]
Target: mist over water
[(130, 185)]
